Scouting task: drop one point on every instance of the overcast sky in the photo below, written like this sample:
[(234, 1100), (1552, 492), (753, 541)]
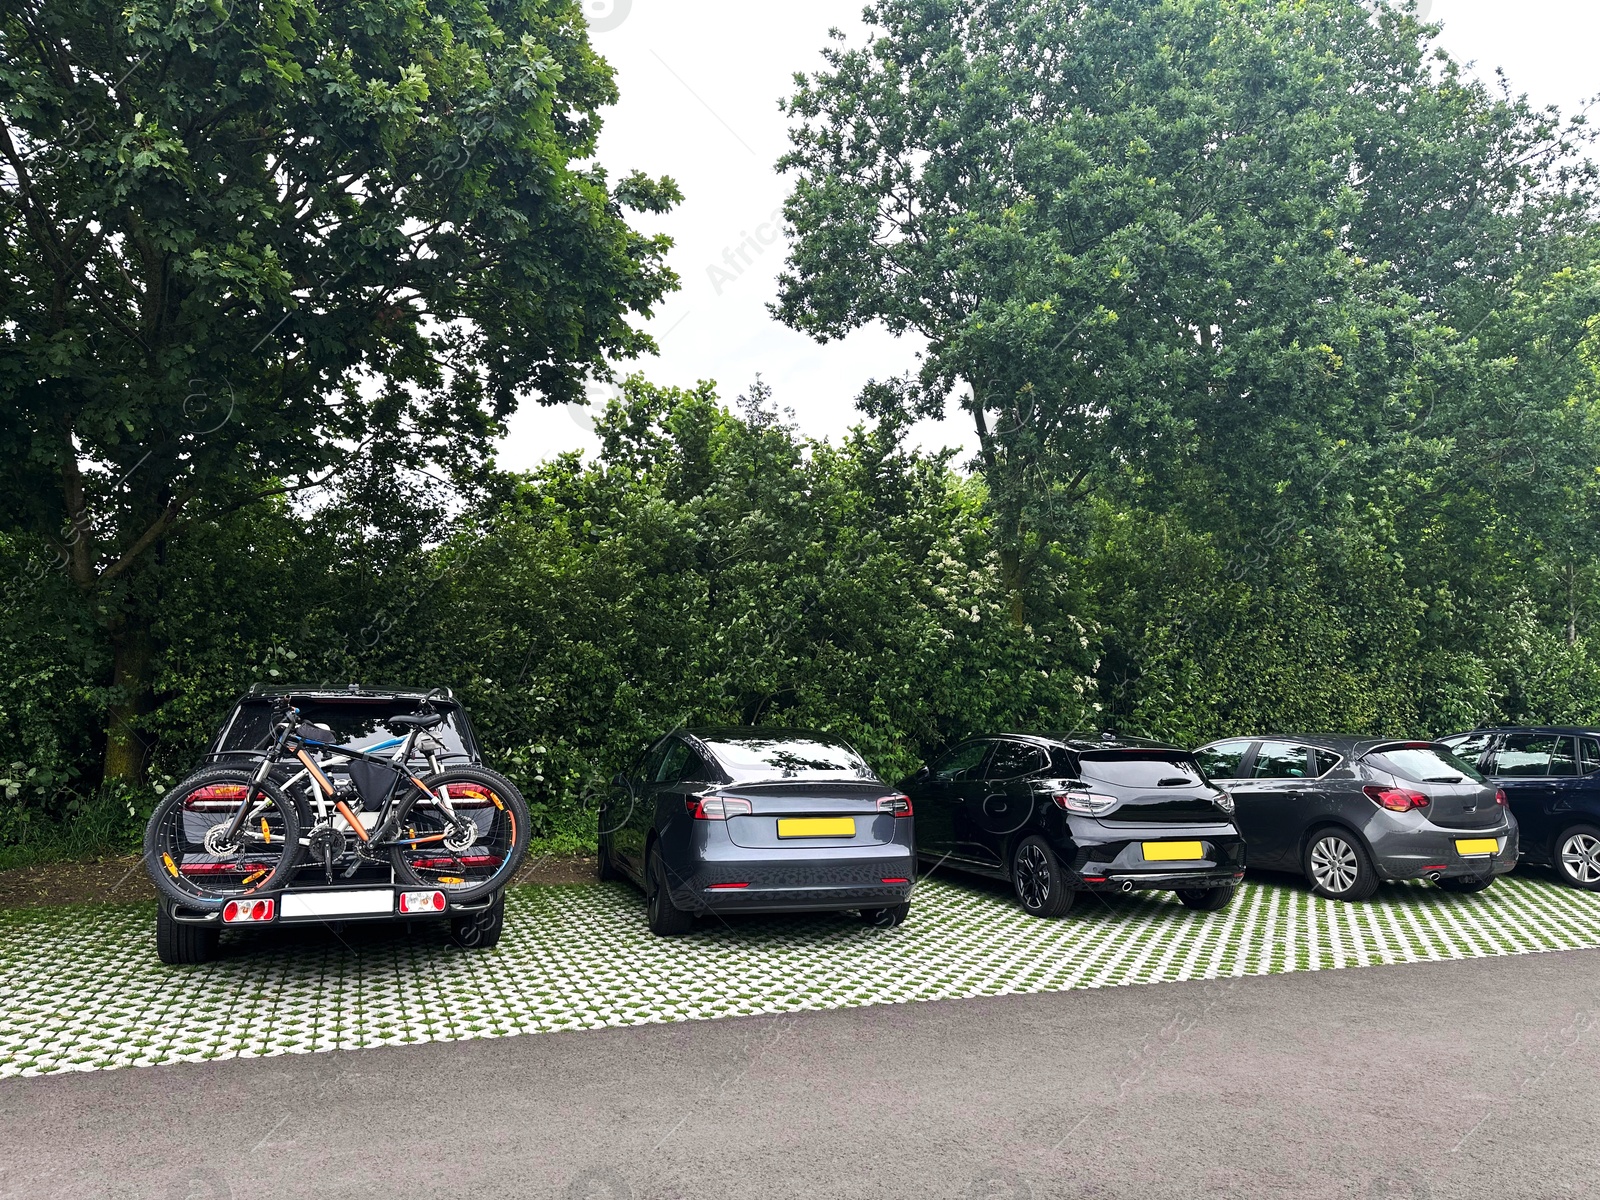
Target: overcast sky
[(700, 82)]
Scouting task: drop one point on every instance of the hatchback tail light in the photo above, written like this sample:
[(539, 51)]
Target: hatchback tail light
[(1086, 802), (1500, 796), (1395, 799), (716, 808), (897, 804)]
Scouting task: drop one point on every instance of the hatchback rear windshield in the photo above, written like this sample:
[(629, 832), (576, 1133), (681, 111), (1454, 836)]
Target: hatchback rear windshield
[(1425, 764), (356, 723), (1142, 771), (788, 758)]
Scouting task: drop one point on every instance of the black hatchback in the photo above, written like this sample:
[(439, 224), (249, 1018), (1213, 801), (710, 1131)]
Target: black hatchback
[(1551, 778), (1059, 814), (714, 821)]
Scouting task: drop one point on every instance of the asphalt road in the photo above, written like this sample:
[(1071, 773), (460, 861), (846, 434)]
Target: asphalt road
[(1478, 1078)]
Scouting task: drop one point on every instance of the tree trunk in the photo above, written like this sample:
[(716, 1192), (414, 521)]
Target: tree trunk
[(1011, 573), (132, 690)]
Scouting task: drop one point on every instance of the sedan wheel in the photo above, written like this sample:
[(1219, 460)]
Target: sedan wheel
[(1338, 867), (1209, 899), (1040, 883), (1578, 856), (665, 917), (886, 918)]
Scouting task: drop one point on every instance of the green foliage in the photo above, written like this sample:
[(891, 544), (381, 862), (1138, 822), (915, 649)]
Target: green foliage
[(236, 236), (1282, 339), (1154, 240)]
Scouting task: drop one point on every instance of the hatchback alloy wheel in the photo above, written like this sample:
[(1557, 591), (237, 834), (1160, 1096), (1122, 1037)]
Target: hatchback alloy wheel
[(1579, 857), (1339, 868), (1040, 883)]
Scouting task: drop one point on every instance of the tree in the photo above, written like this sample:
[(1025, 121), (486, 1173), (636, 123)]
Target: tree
[(249, 242), (1133, 230)]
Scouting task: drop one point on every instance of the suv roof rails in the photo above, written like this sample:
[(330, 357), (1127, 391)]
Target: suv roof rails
[(352, 689)]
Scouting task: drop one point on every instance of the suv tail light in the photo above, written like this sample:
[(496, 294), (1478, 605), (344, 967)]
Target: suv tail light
[(1086, 802), (1395, 799), (897, 804), (716, 808), (1500, 796), (240, 912), (421, 902)]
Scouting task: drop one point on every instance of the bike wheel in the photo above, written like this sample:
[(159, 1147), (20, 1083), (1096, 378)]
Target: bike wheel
[(187, 855), (477, 853)]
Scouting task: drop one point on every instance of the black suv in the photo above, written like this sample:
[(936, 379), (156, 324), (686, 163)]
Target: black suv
[(354, 716), (1058, 814), (1551, 778)]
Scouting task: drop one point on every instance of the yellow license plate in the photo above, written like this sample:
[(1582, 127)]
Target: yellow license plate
[(1477, 845), (816, 827), (1172, 851)]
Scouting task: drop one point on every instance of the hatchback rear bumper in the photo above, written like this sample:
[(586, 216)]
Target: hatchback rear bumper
[(1423, 854), (1110, 857)]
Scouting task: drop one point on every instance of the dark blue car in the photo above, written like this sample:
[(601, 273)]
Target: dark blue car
[(1551, 776)]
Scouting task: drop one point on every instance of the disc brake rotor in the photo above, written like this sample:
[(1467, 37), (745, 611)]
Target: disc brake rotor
[(463, 835), (217, 843)]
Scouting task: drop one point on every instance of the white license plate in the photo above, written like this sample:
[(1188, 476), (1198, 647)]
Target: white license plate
[(335, 904)]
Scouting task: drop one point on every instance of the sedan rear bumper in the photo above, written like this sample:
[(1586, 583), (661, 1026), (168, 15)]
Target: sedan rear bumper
[(786, 883)]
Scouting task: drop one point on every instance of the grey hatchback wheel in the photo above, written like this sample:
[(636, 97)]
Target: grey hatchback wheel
[(1578, 856), (1338, 866)]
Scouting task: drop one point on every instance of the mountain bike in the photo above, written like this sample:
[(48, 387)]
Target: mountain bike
[(229, 832)]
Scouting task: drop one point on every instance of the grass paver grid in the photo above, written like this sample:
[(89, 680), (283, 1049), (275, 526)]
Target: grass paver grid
[(80, 988)]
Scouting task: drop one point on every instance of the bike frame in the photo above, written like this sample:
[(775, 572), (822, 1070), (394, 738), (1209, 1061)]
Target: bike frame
[(326, 796)]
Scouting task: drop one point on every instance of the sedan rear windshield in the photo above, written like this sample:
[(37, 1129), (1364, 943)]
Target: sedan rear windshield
[(1143, 770), (1425, 764), (355, 723), (752, 758)]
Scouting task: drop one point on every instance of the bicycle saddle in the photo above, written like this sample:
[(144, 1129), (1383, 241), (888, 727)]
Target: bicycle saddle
[(417, 720)]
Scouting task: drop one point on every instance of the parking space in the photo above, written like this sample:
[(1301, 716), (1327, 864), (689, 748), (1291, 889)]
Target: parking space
[(80, 988)]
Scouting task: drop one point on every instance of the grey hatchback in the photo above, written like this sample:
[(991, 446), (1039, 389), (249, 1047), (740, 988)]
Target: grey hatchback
[(1349, 812)]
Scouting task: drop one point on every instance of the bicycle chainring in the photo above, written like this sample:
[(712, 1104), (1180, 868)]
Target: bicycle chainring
[(327, 844)]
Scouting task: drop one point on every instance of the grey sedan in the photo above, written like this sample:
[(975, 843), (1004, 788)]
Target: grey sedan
[(715, 821), (1349, 813)]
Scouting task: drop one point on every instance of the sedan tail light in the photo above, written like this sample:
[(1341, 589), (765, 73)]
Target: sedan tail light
[(1500, 796), (716, 808), (1395, 799), (897, 804)]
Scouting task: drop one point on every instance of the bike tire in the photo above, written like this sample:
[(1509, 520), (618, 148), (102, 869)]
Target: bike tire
[(496, 807), (181, 868)]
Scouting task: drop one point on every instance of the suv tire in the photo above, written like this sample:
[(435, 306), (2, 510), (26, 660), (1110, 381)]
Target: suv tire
[(178, 944)]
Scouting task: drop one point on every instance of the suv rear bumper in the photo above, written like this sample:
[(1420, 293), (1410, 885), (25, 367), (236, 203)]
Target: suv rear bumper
[(336, 897)]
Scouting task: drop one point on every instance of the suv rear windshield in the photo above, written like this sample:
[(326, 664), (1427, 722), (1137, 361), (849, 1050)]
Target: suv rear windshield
[(358, 723), (1146, 770), (751, 758), (1425, 764)]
